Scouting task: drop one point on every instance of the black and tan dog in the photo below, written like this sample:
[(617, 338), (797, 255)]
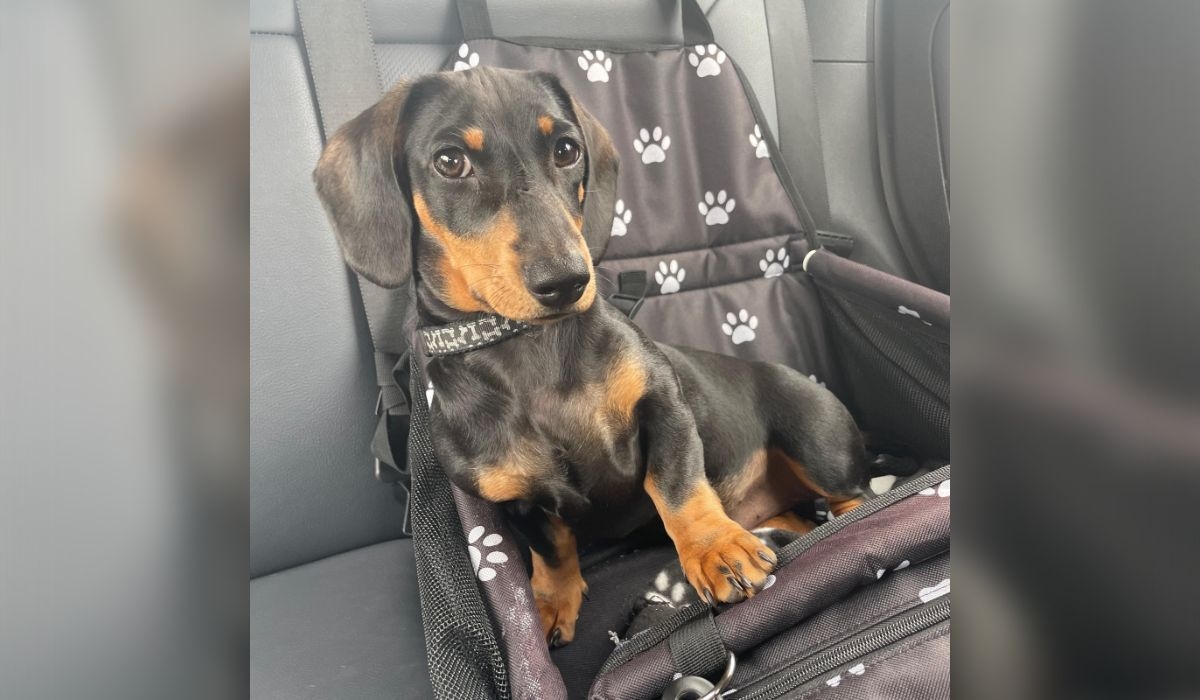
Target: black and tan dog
[(581, 426)]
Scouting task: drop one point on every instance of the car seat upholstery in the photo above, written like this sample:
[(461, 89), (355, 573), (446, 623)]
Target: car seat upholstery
[(334, 604)]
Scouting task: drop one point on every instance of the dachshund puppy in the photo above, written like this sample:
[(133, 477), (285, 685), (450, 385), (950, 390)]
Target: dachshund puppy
[(492, 191)]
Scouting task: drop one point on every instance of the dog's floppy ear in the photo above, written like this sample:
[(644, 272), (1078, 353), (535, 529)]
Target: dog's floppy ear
[(600, 184), (369, 207)]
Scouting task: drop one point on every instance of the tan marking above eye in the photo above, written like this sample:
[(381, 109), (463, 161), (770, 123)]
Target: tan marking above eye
[(473, 137), (545, 124)]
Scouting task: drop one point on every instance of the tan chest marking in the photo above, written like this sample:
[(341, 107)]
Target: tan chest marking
[(512, 478), (623, 388)]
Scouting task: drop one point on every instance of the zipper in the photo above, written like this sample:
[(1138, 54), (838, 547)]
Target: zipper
[(873, 639)]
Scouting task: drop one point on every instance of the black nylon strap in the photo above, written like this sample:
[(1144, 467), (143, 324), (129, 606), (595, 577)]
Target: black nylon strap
[(696, 29), (796, 103), (697, 648), (475, 20), (631, 292)]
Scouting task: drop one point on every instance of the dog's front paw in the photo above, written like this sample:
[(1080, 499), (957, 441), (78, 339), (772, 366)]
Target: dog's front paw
[(558, 601), (729, 567)]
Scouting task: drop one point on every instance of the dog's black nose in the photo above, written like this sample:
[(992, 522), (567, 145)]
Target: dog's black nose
[(557, 284)]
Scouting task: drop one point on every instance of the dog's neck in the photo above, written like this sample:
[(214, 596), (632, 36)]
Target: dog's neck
[(434, 315), (446, 331), (432, 311)]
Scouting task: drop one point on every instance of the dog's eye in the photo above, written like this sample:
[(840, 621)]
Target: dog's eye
[(452, 163), (566, 152)]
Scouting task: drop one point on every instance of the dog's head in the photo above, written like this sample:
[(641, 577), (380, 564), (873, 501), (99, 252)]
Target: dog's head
[(511, 181)]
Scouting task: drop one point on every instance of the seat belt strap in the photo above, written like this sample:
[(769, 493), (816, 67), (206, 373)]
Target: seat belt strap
[(696, 29), (475, 20), (796, 103), (345, 74)]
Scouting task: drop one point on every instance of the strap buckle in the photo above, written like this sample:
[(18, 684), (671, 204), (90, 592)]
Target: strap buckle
[(631, 292), (384, 473), (699, 687)]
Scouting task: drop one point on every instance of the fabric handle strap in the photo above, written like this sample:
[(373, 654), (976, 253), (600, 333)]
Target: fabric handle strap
[(697, 648)]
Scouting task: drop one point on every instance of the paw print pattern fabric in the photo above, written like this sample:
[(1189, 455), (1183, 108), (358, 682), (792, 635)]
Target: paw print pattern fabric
[(699, 193)]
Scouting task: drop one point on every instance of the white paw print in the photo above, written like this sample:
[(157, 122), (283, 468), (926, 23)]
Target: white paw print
[(467, 59), (429, 394), (715, 210), (857, 670), (485, 573), (597, 66), (814, 379), (775, 264), (668, 592), (652, 145), (942, 490), (835, 681), (706, 60), (759, 143), (669, 277), (740, 328), (621, 219), (935, 591), (902, 565)]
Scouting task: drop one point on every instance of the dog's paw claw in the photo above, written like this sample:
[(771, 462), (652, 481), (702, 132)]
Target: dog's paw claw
[(558, 608), (711, 568)]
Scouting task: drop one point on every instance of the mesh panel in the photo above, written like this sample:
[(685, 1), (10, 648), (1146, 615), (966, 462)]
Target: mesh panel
[(898, 379), (464, 657)]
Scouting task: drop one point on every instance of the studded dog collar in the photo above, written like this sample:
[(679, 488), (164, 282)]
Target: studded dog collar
[(472, 334)]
